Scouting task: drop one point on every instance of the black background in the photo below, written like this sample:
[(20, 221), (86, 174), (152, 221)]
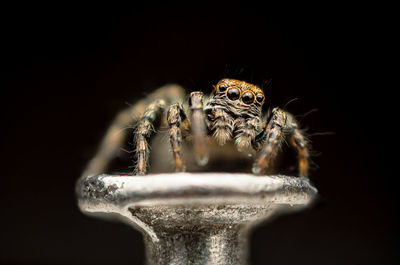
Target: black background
[(68, 69)]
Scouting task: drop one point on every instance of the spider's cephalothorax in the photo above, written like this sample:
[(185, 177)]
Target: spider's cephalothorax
[(233, 111)]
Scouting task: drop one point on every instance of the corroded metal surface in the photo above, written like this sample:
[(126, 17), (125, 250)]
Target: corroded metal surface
[(191, 218)]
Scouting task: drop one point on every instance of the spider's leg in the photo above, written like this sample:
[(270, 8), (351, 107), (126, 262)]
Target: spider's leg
[(299, 141), (273, 137), (144, 130), (198, 126), (116, 134), (175, 117), (281, 123)]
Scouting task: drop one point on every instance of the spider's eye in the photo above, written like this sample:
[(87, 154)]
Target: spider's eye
[(222, 87), (233, 93), (260, 98), (248, 97)]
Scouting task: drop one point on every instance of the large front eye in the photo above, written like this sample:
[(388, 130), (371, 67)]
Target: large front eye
[(248, 97), (233, 93)]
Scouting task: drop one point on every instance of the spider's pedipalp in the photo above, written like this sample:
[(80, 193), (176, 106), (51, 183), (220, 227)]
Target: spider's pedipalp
[(245, 132), (222, 125), (198, 127), (175, 117)]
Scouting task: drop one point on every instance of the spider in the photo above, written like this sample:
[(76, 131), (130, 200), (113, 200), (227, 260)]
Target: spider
[(231, 113)]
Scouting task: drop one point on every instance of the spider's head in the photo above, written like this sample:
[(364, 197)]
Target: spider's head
[(239, 97)]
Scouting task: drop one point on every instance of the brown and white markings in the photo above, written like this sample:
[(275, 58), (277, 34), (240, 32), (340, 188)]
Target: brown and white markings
[(231, 115)]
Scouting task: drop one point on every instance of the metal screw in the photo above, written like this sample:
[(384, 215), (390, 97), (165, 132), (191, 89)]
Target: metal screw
[(189, 218)]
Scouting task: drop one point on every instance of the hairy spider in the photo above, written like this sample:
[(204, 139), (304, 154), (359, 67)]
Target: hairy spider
[(232, 113)]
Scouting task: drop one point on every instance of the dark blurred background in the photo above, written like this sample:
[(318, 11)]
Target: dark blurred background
[(66, 70)]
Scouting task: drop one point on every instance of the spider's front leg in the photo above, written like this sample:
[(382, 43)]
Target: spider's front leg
[(281, 122), (177, 120), (198, 127), (272, 135)]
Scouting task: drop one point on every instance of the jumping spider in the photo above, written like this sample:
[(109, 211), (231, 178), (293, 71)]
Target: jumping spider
[(233, 111)]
